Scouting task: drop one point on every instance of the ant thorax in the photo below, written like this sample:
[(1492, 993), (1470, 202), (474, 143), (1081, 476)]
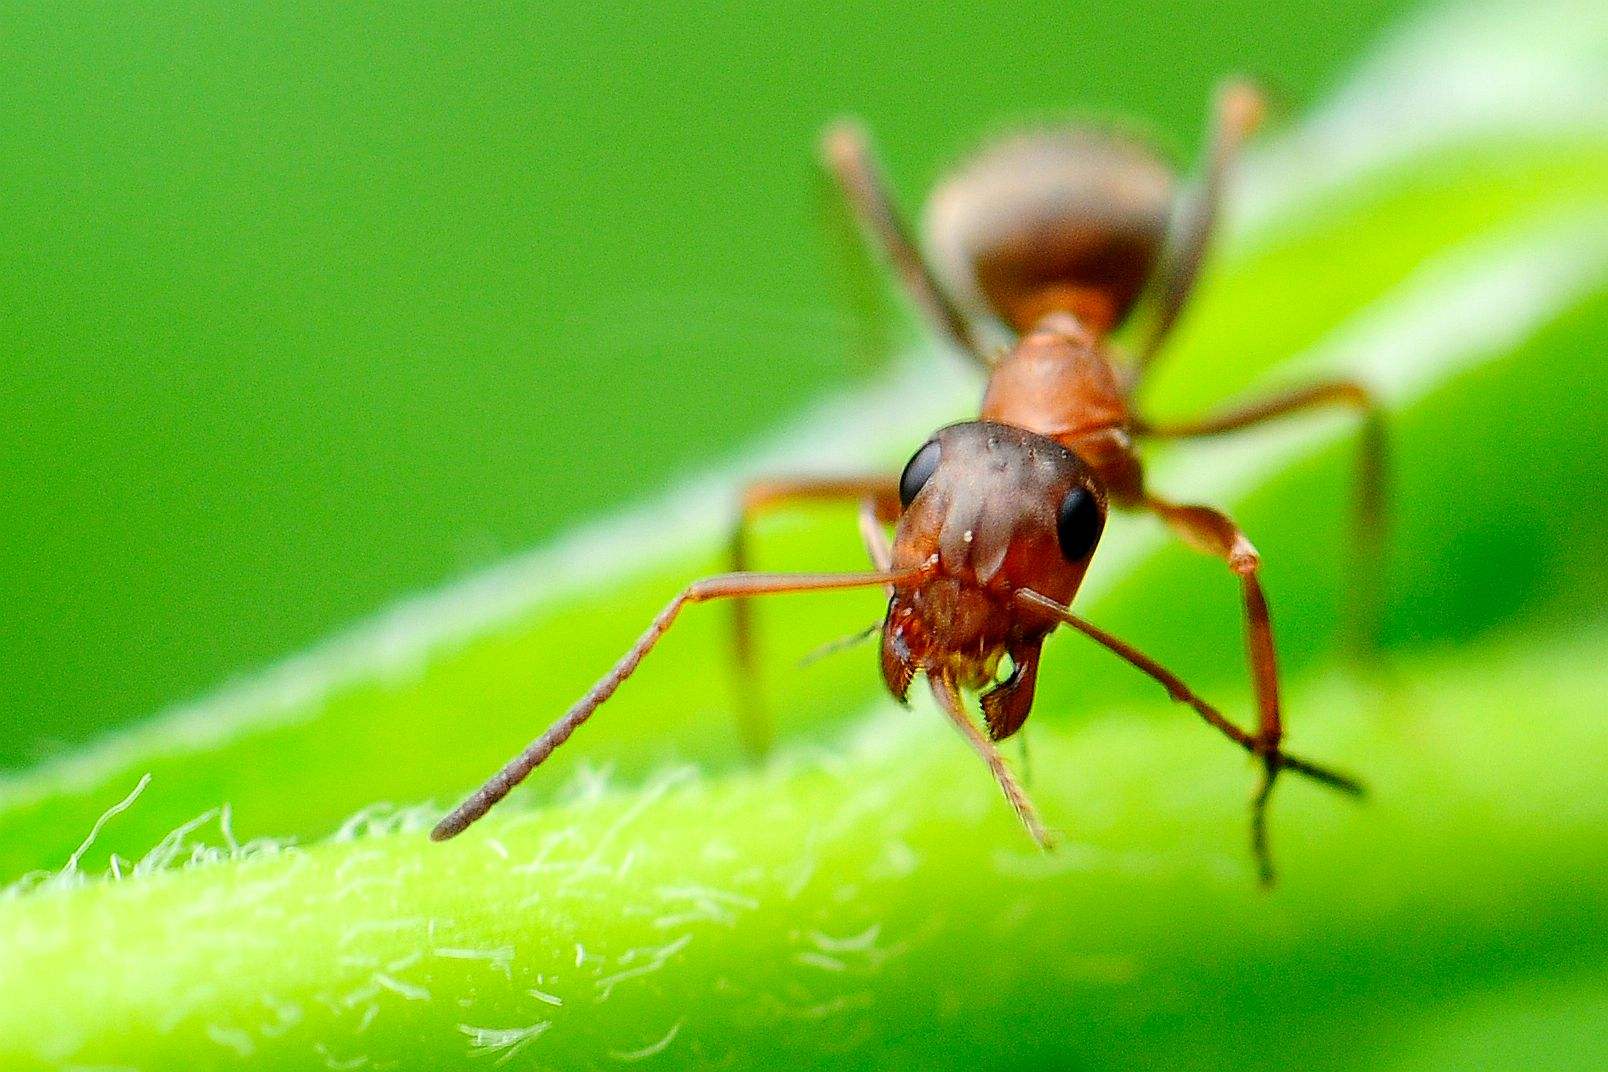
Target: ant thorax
[(1060, 381)]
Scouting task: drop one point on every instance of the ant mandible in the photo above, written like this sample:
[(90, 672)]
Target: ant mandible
[(1056, 236)]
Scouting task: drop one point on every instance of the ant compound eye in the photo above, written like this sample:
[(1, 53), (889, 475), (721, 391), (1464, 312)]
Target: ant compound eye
[(917, 472), (1078, 524)]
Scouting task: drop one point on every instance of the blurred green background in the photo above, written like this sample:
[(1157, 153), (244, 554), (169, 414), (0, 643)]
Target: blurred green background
[(305, 306)]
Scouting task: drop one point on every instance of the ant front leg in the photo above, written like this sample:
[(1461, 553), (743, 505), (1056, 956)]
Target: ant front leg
[(879, 496), (1370, 509), (1215, 533), (1183, 694)]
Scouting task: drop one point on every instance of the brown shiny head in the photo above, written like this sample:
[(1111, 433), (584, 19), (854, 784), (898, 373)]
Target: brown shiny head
[(999, 509), (1064, 221)]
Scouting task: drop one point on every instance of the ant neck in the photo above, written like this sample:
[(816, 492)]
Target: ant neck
[(1065, 307)]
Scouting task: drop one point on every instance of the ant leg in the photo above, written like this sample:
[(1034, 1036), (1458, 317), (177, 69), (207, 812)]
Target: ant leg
[(1236, 115), (724, 586), (758, 497), (1182, 693), (948, 696), (1370, 507), (874, 514), (847, 154), (880, 550), (1216, 534)]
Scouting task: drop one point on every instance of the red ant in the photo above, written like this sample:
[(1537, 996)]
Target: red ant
[(1056, 236)]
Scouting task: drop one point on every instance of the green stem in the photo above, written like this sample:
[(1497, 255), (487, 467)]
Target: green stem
[(836, 908)]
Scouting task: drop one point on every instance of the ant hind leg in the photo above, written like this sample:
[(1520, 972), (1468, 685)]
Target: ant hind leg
[(1236, 115), (846, 153)]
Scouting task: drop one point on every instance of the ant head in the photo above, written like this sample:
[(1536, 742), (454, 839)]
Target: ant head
[(1059, 221), (1001, 509)]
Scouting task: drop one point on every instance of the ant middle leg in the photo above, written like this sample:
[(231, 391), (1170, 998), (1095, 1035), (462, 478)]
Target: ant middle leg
[(879, 496), (1370, 509), (1215, 533)]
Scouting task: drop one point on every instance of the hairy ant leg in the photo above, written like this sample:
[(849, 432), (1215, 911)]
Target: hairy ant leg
[(1215, 533), (1182, 693)]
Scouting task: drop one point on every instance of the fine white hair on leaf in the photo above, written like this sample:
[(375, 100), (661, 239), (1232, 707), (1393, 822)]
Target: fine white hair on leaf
[(166, 851), (503, 1043), (551, 842), (652, 1049), (226, 829), (702, 904), (897, 860), (384, 817), (286, 1015), (589, 783), (365, 927), (658, 957), (70, 868), (820, 960), (854, 943), (405, 961), (232, 1038), (404, 990), (337, 1064), (694, 891), (498, 958)]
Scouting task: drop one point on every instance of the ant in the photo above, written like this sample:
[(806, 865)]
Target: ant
[(1055, 236)]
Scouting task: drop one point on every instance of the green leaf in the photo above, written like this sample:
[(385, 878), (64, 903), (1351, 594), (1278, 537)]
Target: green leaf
[(873, 905)]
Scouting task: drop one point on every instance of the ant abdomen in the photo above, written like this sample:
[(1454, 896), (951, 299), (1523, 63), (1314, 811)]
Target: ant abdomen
[(1060, 221)]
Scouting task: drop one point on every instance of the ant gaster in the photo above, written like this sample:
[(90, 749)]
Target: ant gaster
[(1055, 236)]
